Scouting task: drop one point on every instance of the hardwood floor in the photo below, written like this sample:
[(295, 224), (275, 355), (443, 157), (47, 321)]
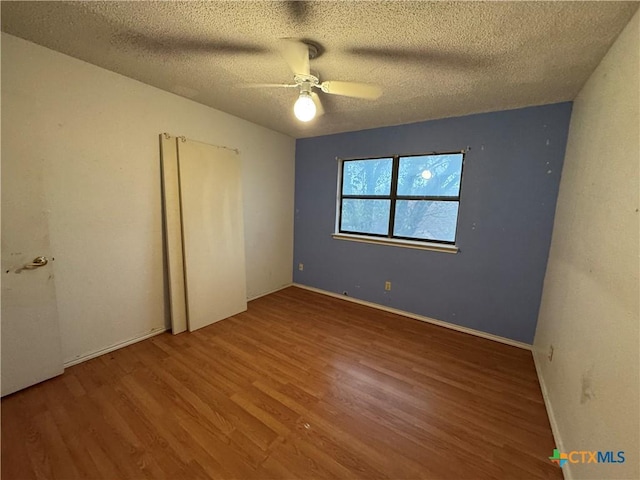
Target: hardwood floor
[(300, 386)]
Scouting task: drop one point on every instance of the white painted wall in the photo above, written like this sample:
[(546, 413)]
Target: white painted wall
[(97, 135), (589, 310)]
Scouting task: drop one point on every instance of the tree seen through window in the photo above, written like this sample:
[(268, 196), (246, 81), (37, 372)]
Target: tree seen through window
[(412, 197)]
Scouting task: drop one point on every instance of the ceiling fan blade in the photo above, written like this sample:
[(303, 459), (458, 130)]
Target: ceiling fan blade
[(296, 54), (298, 10), (266, 85), (319, 107), (433, 57), (180, 45), (351, 89)]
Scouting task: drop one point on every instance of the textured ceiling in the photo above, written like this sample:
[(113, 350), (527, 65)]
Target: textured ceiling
[(432, 59)]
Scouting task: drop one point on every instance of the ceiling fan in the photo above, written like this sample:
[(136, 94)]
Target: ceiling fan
[(297, 54)]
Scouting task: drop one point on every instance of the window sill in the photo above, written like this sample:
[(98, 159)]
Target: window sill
[(394, 242)]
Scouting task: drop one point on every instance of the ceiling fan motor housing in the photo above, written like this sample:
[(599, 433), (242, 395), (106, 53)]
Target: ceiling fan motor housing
[(306, 82), (315, 50)]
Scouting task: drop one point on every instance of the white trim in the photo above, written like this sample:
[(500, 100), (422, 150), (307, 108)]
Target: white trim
[(152, 333), (566, 472), (396, 242), (269, 292), (116, 346), (440, 323)]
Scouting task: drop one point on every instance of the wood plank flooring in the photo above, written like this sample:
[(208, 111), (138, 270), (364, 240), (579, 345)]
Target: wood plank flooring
[(300, 386)]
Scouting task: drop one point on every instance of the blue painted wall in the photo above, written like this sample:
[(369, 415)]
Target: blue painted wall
[(508, 197)]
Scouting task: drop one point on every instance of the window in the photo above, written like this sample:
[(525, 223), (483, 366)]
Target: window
[(401, 197)]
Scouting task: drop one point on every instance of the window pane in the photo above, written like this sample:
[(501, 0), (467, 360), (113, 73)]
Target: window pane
[(430, 175), (367, 177), (365, 216), (425, 219)]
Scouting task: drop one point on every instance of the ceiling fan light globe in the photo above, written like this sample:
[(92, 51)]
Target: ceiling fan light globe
[(304, 108)]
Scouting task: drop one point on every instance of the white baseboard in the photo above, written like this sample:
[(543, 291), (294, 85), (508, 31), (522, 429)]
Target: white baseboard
[(115, 346), (415, 316), (566, 472), (152, 333), (269, 292)]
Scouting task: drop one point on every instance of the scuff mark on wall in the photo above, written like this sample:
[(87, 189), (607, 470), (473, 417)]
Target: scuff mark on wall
[(587, 392)]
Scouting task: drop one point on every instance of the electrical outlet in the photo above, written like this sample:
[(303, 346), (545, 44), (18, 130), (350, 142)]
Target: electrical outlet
[(550, 356), (301, 266), (387, 286)]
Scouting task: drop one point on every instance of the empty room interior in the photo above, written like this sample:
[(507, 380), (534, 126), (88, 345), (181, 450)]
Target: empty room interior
[(296, 240)]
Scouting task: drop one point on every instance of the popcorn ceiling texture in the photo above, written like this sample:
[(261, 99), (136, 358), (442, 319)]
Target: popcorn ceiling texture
[(433, 59)]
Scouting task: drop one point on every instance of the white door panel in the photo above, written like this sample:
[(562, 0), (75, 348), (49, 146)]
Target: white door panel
[(173, 233), (213, 232), (31, 350)]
